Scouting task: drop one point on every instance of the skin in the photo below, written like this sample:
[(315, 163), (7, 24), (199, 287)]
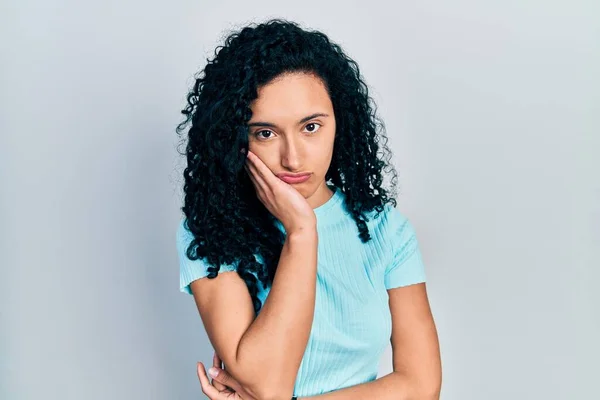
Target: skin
[(285, 144), (278, 335), (280, 142), (417, 369)]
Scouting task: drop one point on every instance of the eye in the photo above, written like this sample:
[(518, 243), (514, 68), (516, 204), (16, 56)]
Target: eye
[(312, 124), (313, 127), (258, 134)]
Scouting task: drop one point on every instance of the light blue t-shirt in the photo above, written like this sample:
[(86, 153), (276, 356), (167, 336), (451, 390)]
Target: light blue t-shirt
[(352, 323)]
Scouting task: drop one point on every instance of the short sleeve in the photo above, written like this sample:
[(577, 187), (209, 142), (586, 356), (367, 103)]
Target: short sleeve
[(406, 267), (191, 270)]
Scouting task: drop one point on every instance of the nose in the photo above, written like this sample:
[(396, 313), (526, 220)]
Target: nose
[(291, 155)]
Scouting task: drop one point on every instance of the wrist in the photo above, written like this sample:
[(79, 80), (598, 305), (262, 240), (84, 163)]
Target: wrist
[(306, 235)]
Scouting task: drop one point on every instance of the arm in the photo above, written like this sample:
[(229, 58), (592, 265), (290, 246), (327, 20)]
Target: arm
[(279, 334), (416, 356), (393, 386)]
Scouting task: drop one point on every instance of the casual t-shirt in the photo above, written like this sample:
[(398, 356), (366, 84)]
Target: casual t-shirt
[(352, 321)]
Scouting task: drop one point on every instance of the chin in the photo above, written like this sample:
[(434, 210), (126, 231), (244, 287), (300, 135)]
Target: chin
[(303, 192), (306, 192)]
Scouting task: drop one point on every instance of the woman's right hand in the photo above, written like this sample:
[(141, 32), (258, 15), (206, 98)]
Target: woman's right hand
[(280, 198)]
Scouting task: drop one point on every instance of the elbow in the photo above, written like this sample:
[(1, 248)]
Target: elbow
[(422, 389), (275, 383), (430, 391)]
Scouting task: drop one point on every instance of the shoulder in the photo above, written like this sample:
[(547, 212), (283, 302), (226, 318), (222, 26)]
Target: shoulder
[(391, 221), (396, 221), (397, 230), (183, 237), (191, 270), (406, 266), (182, 233)]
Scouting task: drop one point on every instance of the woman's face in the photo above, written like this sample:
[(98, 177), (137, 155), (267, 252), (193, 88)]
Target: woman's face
[(292, 130)]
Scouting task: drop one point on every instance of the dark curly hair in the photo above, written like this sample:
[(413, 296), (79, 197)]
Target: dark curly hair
[(226, 218)]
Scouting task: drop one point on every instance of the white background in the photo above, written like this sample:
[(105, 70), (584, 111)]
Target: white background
[(492, 109)]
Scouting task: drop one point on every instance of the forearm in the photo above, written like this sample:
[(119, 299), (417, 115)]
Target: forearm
[(394, 386), (273, 346)]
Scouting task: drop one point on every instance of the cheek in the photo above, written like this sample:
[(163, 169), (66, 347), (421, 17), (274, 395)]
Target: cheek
[(268, 157), (323, 155)]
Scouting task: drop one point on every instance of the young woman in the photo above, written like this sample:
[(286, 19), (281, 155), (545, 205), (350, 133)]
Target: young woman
[(300, 265)]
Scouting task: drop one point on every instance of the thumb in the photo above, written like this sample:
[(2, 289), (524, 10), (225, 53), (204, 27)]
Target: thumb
[(224, 378)]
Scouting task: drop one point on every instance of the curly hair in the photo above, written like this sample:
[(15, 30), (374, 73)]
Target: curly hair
[(228, 222)]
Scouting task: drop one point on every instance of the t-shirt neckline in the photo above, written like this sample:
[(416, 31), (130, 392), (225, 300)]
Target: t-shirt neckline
[(332, 202), (323, 212)]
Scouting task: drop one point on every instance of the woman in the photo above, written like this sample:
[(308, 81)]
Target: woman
[(300, 265)]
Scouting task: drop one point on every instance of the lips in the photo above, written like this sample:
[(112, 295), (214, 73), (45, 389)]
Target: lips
[(293, 179)]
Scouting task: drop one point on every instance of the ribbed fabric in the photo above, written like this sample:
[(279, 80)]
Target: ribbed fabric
[(352, 322)]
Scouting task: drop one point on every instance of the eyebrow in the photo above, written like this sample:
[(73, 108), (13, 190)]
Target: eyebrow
[(303, 120)]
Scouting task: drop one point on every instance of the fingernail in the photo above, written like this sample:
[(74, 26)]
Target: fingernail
[(213, 372)]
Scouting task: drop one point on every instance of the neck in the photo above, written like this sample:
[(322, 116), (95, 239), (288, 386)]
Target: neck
[(320, 196)]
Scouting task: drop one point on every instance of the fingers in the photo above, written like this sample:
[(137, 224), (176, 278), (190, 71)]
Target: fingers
[(217, 364), (259, 184), (226, 379), (258, 188), (216, 360), (207, 388), (256, 177), (261, 169)]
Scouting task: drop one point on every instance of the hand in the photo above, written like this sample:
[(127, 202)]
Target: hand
[(223, 386), (280, 198), (218, 365)]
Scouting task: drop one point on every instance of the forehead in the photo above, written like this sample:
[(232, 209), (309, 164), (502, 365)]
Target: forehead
[(291, 95)]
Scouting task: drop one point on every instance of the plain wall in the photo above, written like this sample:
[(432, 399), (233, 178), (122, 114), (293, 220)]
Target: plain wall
[(492, 110)]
